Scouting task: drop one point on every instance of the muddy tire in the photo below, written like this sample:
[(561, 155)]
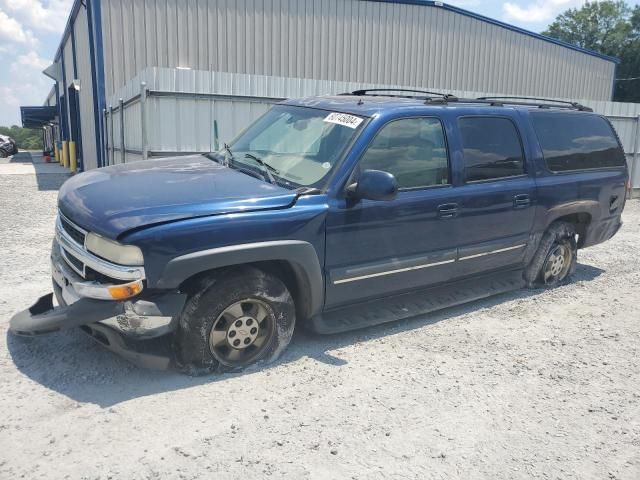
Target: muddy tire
[(235, 319), (555, 260)]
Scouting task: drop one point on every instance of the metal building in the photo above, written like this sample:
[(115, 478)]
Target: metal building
[(77, 73), (420, 43), (143, 78)]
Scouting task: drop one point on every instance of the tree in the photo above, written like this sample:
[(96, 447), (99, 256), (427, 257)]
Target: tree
[(611, 28), (629, 90), (26, 138)]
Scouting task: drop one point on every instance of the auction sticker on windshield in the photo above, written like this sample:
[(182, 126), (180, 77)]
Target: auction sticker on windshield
[(343, 119)]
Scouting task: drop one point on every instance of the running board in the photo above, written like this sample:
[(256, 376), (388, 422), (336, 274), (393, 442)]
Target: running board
[(409, 305)]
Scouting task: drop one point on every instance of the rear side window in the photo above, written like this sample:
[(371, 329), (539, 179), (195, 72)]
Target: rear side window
[(413, 150), (576, 141), (492, 148)]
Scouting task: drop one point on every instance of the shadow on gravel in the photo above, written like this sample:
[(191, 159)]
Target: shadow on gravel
[(586, 273), (21, 157), (50, 181), (49, 176), (74, 365)]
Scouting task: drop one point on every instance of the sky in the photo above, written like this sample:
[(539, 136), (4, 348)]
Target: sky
[(30, 33)]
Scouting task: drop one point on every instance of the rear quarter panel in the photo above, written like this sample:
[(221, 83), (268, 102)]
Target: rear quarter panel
[(598, 192)]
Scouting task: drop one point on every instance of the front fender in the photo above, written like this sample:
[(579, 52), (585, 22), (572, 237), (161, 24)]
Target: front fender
[(300, 255)]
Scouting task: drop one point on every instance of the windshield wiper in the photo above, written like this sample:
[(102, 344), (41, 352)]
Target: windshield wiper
[(265, 166)]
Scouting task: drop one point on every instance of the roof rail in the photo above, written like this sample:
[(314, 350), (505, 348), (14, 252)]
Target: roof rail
[(534, 102), (375, 92), (447, 97)]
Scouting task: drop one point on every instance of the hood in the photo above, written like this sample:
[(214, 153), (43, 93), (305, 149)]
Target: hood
[(112, 200)]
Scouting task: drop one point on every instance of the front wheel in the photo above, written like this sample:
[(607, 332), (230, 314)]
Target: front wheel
[(235, 319), (555, 260)]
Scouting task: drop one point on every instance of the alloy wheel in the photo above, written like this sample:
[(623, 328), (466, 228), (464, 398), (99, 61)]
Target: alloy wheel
[(557, 264), (241, 332)]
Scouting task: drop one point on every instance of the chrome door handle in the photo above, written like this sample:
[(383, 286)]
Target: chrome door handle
[(448, 210), (521, 200)]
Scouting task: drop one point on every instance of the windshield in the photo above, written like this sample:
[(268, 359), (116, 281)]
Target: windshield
[(294, 146)]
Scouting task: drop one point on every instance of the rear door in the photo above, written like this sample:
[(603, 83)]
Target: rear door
[(495, 193)]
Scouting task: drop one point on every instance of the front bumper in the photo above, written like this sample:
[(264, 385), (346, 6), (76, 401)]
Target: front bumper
[(42, 317), (140, 319), (85, 302), (89, 315), (115, 324)]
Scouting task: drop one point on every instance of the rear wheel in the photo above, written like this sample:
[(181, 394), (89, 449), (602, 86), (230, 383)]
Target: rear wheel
[(555, 260), (235, 319), (557, 264)]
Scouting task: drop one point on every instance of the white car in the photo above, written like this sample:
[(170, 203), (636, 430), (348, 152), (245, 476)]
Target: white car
[(7, 146)]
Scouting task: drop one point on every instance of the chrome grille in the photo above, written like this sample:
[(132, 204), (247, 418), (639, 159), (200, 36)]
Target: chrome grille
[(70, 237), (74, 262), (76, 233)]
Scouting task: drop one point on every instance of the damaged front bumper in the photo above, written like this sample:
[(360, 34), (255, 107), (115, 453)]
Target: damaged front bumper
[(118, 325), (107, 323)]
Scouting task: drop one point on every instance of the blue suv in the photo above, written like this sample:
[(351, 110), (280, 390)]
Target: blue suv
[(332, 213)]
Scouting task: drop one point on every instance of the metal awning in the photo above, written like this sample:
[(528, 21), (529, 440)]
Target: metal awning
[(36, 117)]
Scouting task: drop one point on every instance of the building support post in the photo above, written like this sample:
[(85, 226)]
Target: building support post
[(111, 159), (123, 153), (143, 120), (105, 136), (65, 153), (73, 161)]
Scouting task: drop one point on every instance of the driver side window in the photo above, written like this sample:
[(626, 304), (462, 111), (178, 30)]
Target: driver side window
[(413, 150)]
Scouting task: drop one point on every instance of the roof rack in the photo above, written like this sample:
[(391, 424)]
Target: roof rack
[(426, 94), (534, 100), (447, 97)]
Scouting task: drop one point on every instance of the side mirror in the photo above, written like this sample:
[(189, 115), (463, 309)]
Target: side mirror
[(374, 185)]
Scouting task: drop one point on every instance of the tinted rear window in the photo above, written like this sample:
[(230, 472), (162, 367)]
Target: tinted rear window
[(576, 141), (492, 148)]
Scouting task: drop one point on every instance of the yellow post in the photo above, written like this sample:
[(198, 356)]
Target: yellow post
[(65, 154), (73, 162), (55, 152)]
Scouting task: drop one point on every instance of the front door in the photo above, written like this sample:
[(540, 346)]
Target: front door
[(377, 248)]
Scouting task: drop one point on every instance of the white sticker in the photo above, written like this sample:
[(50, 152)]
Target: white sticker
[(343, 119), (326, 165)]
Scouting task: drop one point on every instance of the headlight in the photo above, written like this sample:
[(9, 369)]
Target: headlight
[(113, 251)]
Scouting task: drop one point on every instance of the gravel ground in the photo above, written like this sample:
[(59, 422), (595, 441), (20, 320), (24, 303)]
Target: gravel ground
[(542, 384)]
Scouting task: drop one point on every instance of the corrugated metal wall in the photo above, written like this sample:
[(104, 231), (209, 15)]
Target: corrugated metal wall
[(345, 40), (87, 119), (625, 118), (197, 104)]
